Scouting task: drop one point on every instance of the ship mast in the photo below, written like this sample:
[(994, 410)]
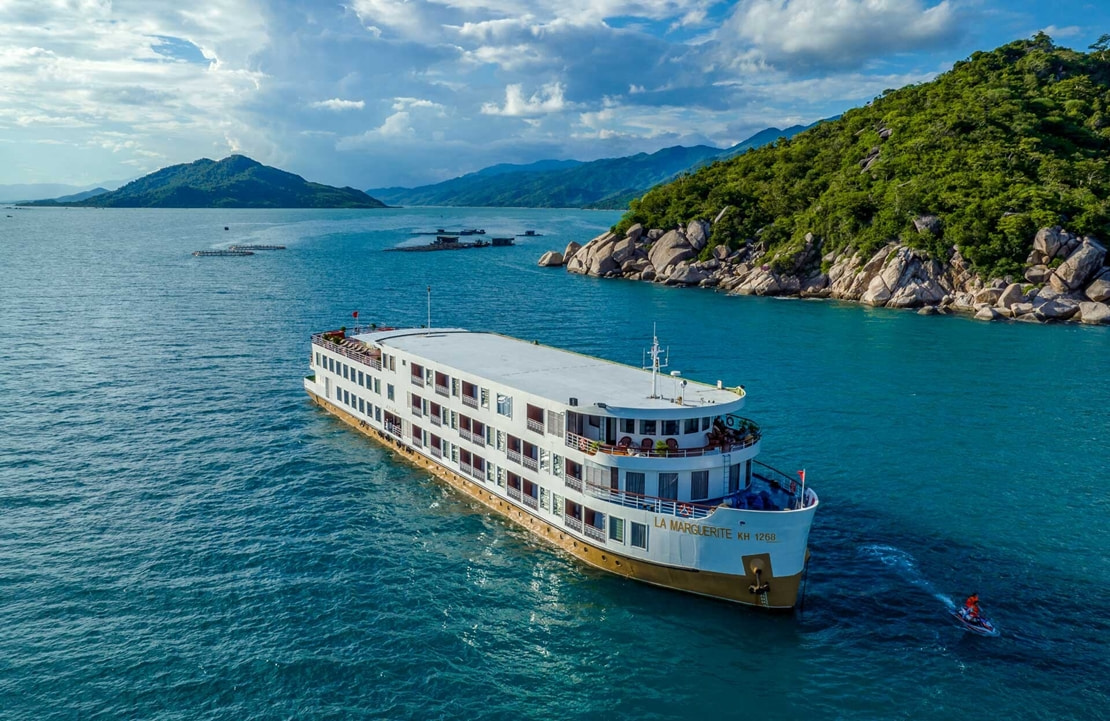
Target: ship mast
[(655, 352)]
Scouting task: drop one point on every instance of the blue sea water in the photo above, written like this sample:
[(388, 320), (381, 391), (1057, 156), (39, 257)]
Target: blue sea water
[(183, 535)]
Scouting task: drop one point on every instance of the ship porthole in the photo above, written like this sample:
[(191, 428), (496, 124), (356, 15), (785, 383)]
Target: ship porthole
[(603, 557)]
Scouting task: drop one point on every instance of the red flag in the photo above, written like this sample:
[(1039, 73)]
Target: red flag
[(802, 473), (355, 314)]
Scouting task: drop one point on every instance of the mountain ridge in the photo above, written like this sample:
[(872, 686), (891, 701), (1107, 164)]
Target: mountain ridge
[(233, 182)]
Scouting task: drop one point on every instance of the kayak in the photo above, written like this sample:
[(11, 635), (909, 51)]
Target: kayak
[(979, 625)]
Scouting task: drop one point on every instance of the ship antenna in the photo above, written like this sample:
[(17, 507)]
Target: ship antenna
[(429, 307), (655, 352)]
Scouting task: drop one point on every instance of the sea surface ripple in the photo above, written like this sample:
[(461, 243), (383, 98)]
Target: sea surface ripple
[(183, 535)]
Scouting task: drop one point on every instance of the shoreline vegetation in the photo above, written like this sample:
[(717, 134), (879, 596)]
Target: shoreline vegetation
[(984, 191)]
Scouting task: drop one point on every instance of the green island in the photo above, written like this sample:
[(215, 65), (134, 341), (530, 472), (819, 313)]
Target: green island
[(991, 180), (234, 182)]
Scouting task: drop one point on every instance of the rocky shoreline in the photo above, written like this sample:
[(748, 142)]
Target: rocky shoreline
[(1065, 278)]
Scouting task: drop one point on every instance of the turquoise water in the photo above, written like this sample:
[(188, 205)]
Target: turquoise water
[(183, 535)]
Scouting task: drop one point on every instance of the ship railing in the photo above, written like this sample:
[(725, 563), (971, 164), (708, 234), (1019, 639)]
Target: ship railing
[(530, 462), (512, 455), (436, 420), (437, 452), (591, 446), (478, 473), (395, 429), (574, 482), (469, 401), (791, 485), (368, 357), (530, 501), (442, 390), (417, 411), (466, 468), (417, 380), (573, 523), (534, 425), (465, 433), (655, 504), (514, 493), (597, 534)]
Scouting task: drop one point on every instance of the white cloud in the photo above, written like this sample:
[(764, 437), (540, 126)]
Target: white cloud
[(548, 99), (840, 33), (337, 104)]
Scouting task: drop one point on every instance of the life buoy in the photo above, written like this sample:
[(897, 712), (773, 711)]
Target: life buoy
[(685, 510)]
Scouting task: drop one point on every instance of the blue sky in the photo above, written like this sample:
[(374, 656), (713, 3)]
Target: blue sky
[(372, 93)]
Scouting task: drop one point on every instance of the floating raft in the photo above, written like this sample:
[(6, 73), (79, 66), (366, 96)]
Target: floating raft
[(530, 234), (257, 247), (207, 253), (441, 231), (446, 242)]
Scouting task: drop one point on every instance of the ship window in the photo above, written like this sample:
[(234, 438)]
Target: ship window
[(647, 428), (691, 425), (557, 504), (555, 423), (639, 535), (634, 482), (705, 423), (616, 529), (501, 477), (455, 387), (543, 498), (734, 477), (361, 405), (454, 420), (392, 363), (491, 471), (346, 398), (485, 398), (557, 465), (389, 391), (454, 453), (505, 405), (377, 414), (317, 359), (670, 428), (668, 485), (544, 458), (628, 425), (361, 378), (500, 440), (699, 485), (344, 365), (378, 386)]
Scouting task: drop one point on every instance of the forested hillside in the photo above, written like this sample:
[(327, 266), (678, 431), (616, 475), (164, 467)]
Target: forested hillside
[(1006, 142)]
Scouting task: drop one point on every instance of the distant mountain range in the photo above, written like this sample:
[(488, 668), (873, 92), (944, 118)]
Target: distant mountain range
[(606, 183), (34, 191), (234, 182)]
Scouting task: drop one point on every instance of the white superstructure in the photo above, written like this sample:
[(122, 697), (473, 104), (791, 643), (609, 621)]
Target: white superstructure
[(649, 477)]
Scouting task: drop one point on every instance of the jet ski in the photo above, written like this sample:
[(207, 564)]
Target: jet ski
[(974, 624)]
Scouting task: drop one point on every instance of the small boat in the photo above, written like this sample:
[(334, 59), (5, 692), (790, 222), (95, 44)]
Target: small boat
[(257, 247), (530, 234), (217, 253), (975, 624), (500, 242)]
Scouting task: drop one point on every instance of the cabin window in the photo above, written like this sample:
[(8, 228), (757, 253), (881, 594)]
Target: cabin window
[(378, 386), (543, 498), (639, 535), (361, 379), (377, 414), (317, 359), (545, 458), (690, 425), (500, 440), (670, 428), (647, 428), (455, 387), (616, 529), (345, 371), (628, 425), (555, 423), (361, 405), (557, 465), (491, 471), (454, 453), (485, 398), (392, 363), (634, 482), (455, 420), (501, 477), (705, 423), (346, 398), (557, 504), (699, 485), (505, 405), (389, 391), (668, 485), (734, 477)]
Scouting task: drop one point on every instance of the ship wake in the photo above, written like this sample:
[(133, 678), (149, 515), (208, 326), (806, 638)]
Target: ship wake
[(905, 565)]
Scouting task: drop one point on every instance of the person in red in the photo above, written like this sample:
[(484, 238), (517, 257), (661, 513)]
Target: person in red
[(971, 605)]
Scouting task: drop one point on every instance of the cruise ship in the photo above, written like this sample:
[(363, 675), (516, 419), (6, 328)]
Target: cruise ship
[(642, 473)]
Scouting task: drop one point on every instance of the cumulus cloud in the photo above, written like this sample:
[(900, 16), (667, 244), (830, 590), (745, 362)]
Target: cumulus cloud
[(844, 33), (548, 99), (338, 104)]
